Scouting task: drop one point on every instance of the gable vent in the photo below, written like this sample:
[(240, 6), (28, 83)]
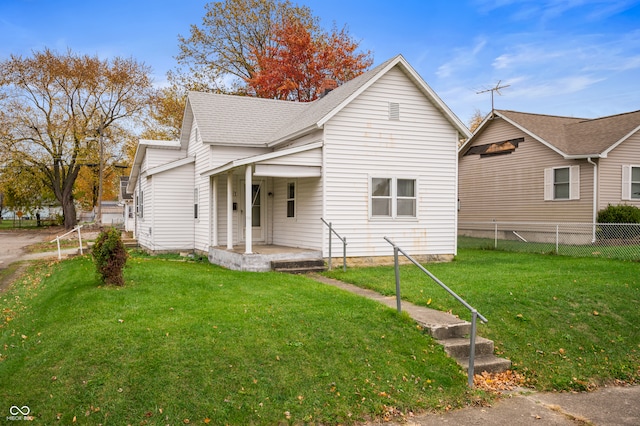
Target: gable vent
[(394, 111)]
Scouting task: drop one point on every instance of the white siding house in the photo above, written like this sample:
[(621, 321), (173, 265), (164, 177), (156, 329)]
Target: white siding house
[(376, 157)]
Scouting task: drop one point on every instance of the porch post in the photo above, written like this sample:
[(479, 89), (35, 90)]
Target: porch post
[(230, 211), (213, 209), (248, 208)]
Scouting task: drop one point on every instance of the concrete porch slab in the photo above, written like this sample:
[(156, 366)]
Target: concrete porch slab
[(261, 258)]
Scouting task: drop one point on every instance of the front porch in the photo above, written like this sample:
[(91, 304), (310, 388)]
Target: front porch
[(261, 257)]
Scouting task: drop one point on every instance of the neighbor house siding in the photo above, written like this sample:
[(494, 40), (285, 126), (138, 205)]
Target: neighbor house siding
[(627, 153), (510, 187), (362, 142)]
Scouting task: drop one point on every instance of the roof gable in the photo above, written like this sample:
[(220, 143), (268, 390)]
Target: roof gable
[(569, 136), (248, 121)]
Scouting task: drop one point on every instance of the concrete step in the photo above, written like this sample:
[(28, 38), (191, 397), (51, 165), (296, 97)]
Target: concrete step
[(488, 363), (298, 266), (459, 347), (448, 331), (130, 243)]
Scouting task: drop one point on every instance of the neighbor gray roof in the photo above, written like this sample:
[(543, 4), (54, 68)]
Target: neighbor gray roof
[(576, 136), (249, 121)]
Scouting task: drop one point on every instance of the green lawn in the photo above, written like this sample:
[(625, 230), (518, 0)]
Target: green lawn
[(187, 342), (566, 323)]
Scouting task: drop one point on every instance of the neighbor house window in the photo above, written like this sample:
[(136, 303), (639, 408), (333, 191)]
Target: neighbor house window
[(196, 200), (630, 182), (562, 183), (393, 197), (291, 199)]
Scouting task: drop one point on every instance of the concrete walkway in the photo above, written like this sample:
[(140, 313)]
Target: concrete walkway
[(605, 406)]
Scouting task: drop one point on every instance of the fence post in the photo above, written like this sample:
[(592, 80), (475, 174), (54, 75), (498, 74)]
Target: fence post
[(495, 234), (557, 239), (397, 269)]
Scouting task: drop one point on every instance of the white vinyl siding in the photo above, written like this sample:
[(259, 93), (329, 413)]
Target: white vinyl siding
[(562, 183), (361, 141)]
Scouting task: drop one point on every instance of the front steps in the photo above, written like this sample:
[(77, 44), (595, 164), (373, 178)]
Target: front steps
[(298, 266), (448, 330), (454, 335)]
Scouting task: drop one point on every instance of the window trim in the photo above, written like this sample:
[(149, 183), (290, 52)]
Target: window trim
[(550, 184), (393, 198), (628, 182)]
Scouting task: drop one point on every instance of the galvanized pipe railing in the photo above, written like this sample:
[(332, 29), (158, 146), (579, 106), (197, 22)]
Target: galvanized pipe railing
[(474, 313), (344, 245)]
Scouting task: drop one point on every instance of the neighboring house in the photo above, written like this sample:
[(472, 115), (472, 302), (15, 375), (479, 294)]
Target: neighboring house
[(376, 157), (126, 201), (112, 213), (521, 167)]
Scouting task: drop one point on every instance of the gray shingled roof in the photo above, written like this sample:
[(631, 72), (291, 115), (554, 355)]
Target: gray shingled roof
[(577, 136), (248, 121), (240, 120)]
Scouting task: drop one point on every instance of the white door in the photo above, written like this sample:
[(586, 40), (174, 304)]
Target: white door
[(258, 210)]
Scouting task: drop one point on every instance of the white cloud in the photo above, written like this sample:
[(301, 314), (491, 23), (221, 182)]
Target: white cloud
[(463, 58)]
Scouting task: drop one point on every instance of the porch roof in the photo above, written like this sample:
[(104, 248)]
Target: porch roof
[(274, 170)]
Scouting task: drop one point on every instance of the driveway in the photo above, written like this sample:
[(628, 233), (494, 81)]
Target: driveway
[(12, 244)]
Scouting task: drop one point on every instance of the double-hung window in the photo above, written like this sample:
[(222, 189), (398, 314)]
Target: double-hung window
[(393, 197), (630, 182), (562, 183)]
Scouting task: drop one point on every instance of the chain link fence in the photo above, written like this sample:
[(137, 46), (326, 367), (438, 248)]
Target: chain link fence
[(610, 240)]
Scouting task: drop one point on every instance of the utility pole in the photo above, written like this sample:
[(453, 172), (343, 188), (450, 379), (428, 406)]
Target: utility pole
[(494, 90), (100, 176)]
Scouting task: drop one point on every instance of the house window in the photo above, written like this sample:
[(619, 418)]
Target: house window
[(630, 182), (406, 197), (562, 183), (380, 197), (196, 200), (291, 199), (393, 197), (140, 206)]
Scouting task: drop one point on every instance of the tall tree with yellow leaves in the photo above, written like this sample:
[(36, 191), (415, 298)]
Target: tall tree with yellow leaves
[(59, 108)]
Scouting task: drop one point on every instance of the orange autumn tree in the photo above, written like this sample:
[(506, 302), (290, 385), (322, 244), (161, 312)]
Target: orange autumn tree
[(298, 62)]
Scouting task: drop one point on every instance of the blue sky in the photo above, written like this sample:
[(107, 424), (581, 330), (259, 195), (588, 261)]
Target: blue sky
[(564, 57)]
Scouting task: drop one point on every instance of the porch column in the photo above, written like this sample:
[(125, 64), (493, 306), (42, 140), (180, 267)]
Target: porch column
[(230, 211), (248, 208), (213, 210)]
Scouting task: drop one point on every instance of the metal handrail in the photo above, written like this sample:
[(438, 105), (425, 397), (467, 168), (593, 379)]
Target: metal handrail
[(474, 313), (344, 245), (57, 239)]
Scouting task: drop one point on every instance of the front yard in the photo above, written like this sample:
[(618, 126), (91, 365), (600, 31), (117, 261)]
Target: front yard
[(188, 342)]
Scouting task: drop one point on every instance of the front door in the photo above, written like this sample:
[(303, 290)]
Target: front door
[(257, 211)]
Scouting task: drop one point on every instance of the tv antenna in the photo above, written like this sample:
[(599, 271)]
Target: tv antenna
[(494, 90)]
